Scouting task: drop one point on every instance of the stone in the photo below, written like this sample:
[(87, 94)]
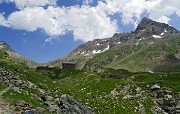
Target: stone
[(138, 96), (19, 82), (128, 97), (38, 110), (57, 100), (138, 90), (157, 110), (49, 98), (125, 89), (23, 105), (178, 105), (141, 109), (168, 97), (114, 93), (53, 107), (155, 87), (68, 105)]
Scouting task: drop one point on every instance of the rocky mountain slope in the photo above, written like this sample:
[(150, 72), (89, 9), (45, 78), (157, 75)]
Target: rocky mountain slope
[(151, 46), (18, 58), (58, 91), (23, 90), (112, 89)]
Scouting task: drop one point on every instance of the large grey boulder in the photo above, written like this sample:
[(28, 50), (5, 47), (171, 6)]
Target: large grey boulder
[(68, 105)]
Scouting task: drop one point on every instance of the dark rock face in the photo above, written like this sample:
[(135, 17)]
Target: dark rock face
[(147, 27), (70, 106), (167, 101), (100, 45)]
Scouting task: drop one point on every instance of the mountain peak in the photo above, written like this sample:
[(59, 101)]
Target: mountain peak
[(150, 27), (145, 19), (4, 46)]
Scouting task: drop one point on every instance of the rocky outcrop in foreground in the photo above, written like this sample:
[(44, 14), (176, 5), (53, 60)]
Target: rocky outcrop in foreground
[(55, 104), (68, 105)]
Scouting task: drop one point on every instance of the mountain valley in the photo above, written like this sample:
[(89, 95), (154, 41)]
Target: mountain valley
[(129, 73)]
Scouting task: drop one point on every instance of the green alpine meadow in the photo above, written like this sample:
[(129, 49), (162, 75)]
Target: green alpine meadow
[(128, 73)]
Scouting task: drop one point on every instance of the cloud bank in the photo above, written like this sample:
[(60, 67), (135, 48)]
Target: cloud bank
[(86, 22), (3, 21), (21, 4)]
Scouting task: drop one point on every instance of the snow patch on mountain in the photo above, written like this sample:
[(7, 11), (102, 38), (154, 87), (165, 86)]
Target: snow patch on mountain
[(156, 36), (106, 48), (83, 52), (162, 33), (143, 30), (99, 44), (100, 51), (86, 54), (139, 41), (95, 52)]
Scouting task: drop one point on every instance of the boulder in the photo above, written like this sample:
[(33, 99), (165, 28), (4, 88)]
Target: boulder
[(38, 110), (138, 90), (49, 98), (68, 105), (155, 87), (128, 97), (19, 82)]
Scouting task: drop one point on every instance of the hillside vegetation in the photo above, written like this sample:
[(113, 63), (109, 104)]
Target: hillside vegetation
[(110, 91), (139, 75), (162, 55)]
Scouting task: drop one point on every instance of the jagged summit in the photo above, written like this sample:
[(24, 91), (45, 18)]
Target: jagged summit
[(149, 27), (148, 31)]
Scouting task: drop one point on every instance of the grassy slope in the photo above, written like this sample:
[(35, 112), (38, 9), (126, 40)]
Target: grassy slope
[(81, 60), (80, 84), (142, 57), (25, 74), (91, 88), (22, 60)]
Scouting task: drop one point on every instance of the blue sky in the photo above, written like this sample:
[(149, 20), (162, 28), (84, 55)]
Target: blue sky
[(49, 29)]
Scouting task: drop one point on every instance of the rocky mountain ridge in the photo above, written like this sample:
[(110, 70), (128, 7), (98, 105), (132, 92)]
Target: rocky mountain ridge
[(148, 33), (4, 46), (146, 28), (17, 57), (151, 86)]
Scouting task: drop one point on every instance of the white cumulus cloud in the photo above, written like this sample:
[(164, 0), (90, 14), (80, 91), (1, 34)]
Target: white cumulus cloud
[(86, 22), (51, 20), (132, 10)]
